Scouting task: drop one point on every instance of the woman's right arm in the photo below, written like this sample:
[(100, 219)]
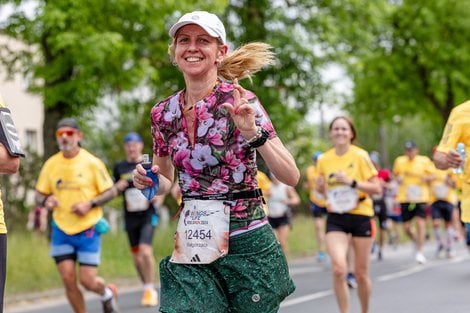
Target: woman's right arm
[(161, 166)]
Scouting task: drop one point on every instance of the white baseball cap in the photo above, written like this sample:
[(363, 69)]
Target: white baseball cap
[(208, 21)]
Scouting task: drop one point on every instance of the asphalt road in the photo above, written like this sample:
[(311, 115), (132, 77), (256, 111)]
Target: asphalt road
[(399, 285)]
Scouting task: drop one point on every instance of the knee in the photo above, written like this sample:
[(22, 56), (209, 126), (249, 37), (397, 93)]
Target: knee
[(362, 277), (87, 282), (69, 281), (145, 252), (339, 271)]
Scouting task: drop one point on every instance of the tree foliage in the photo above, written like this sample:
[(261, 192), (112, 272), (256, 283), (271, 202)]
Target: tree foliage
[(85, 50), (405, 57)]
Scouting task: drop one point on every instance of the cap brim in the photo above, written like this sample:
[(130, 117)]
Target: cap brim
[(174, 29)]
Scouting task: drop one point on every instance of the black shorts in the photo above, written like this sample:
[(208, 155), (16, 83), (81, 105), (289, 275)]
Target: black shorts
[(317, 210), (380, 210), (354, 224), (442, 210), (410, 210), (140, 228), (277, 222)]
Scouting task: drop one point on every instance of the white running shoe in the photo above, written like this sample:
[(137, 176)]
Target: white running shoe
[(420, 258)]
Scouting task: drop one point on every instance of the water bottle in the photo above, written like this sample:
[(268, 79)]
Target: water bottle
[(460, 150), (151, 191)]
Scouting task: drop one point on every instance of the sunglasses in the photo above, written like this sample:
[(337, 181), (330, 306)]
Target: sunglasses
[(68, 133)]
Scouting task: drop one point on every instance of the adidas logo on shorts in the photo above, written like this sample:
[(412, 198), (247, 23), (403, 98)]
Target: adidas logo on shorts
[(195, 258)]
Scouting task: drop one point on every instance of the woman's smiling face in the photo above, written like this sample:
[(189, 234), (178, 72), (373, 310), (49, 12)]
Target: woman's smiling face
[(196, 52), (341, 132)]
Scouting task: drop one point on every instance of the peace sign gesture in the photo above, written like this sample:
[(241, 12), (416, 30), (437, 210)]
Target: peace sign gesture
[(242, 113)]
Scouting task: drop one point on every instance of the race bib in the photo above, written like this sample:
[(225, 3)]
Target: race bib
[(203, 232), (318, 195), (413, 193), (135, 200), (440, 191), (342, 199)]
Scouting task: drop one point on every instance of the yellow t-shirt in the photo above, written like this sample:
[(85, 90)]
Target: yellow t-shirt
[(458, 130), (3, 227), (314, 195), (74, 180), (264, 183), (440, 190), (412, 188), (357, 165)]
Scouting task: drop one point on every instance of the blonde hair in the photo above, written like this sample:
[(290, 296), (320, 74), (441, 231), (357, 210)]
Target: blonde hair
[(241, 63)]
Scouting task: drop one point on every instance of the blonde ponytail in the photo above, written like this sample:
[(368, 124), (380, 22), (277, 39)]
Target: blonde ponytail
[(241, 63), (246, 61)]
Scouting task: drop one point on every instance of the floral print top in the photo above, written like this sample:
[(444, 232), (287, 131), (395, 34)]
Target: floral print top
[(219, 160)]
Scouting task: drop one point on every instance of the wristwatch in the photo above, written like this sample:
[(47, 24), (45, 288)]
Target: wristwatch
[(259, 138)]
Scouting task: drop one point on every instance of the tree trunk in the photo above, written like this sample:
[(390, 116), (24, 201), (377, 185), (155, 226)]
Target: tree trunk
[(51, 117)]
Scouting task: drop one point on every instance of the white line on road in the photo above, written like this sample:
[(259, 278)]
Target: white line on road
[(418, 268), (304, 270), (313, 296)]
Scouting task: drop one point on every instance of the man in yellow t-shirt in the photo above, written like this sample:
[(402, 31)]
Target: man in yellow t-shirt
[(74, 184), (413, 173), (457, 130), (8, 165), (444, 199), (317, 207)]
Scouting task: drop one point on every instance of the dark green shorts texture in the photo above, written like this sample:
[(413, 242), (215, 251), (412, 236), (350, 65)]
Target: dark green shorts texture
[(252, 278)]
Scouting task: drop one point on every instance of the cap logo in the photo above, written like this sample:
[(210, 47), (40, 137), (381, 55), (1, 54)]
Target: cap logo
[(195, 17)]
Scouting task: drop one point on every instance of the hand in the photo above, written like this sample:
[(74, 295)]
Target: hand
[(342, 178), (81, 208), (242, 113), (141, 181), (454, 159), (51, 202)]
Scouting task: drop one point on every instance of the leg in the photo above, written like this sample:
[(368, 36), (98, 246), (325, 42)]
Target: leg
[(362, 246), (319, 223), (74, 295), (420, 233), (147, 263), (90, 280), (138, 262), (337, 244), (282, 233)]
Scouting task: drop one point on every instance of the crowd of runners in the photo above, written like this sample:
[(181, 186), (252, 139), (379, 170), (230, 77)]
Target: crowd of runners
[(231, 239)]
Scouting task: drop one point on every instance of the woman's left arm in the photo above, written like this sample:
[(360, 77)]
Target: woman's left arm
[(279, 161), (276, 156)]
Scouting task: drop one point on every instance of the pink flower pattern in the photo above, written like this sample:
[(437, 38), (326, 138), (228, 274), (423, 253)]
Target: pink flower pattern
[(219, 161)]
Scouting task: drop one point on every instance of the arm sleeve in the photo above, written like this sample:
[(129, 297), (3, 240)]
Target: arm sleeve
[(368, 169), (160, 144), (451, 136), (103, 180), (396, 168), (43, 184)]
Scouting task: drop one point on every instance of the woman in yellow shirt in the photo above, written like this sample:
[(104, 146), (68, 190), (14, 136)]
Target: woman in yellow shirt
[(347, 177)]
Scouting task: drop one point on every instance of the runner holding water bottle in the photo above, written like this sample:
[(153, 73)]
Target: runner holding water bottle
[(457, 132)]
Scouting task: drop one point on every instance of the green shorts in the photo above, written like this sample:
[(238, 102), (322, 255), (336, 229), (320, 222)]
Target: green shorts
[(252, 278)]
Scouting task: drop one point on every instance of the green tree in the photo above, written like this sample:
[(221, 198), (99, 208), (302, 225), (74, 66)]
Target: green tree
[(85, 50), (405, 57), (291, 88)]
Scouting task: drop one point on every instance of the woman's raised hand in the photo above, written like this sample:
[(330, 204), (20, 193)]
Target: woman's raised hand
[(242, 113)]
